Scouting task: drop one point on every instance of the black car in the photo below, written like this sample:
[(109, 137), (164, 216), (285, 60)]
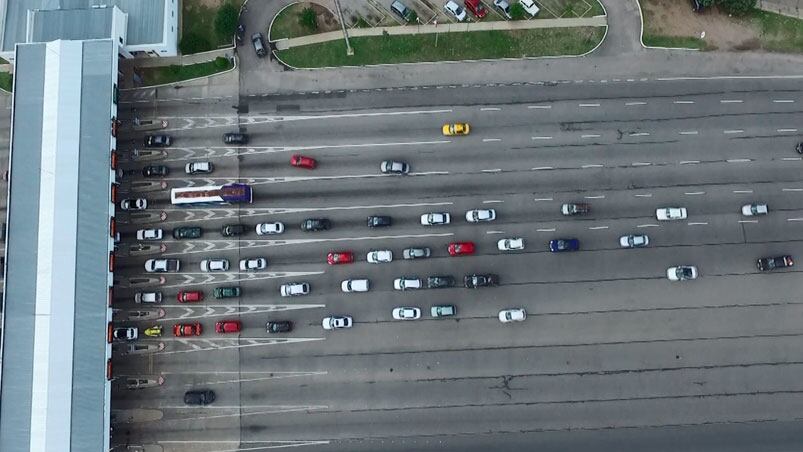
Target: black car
[(259, 45), (204, 397), (155, 171), (379, 221), (187, 232), (486, 280), (235, 138), (440, 282), (799, 148), (316, 224), (766, 264), (231, 230), (240, 34), (283, 326), (158, 141)]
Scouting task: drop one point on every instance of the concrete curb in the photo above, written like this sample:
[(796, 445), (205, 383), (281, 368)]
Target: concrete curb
[(641, 34)]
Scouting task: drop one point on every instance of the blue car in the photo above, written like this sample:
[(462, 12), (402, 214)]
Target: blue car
[(559, 245)]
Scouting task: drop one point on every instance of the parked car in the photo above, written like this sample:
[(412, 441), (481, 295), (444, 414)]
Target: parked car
[(187, 232), (158, 141), (436, 218), (199, 168), (155, 171), (670, 213), (440, 282), (575, 209), (681, 273), (416, 253), (512, 315), (476, 7), (336, 322), (530, 7), (766, 264), (235, 138), (232, 230), (259, 44), (228, 326), (204, 397), (379, 221), (162, 265), (300, 161), (442, 311), (510, 244), (401, 10), (253, 264), (355, 285), (125, 334), (240, 34), (270, 228), (504, 7), (394, 167), (149, 234), (461, 248), (750, 210), (407, 283), (560, 245), (134, 204), (799, 148), (315, 224), (187, 329), (339, 257), (294, 289), (190, 296), (406, 313), (478, 215), (279, 326), (215, 265), (148, 297), (226, 292), (455, 10), (634, 241), (484, 280), (379, 256), (458, 128)]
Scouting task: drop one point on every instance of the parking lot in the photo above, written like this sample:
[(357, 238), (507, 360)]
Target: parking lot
[(608, 343)]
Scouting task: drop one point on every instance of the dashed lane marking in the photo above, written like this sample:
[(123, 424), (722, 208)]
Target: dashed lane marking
[(743, 191), (694, 193), (593, 165), (493, 201), (588, 105), (539, 168), (739, 160), (539, 107), (494, 170), (631, 104), (786, 130), (595, 197), (643, 195), (648, 226), (546, 230), (748, 221), (689, 162), (641, 164), (490, 140), (782, 101), (590, 135), (688, 132), (595, 228), (731, 101), (543, 199), (541, 138), (699, 223), (683, 102), (727, 132), (490, 109)]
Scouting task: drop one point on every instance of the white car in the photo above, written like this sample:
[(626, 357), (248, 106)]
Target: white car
[(407, 283), (253, 264), (512, 315), (126, 334), (379, 256), (393, 167), (294, 289), (504, 7), (750, 210), (511, 244), (134, 204), (435, 218), (162, 265), (149, 234), (148, 297), (270, 228), (670, 213), (477, 215), (199, 168), (355, 285), (406, 313), (454, 9), (682, 273), (336, 322), (214, 265), (530, 7), (634, 241)]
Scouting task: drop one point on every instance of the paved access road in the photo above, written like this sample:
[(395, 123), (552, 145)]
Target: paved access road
[(611, 354)]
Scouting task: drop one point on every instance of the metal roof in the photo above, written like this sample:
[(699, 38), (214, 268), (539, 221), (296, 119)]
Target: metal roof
[(54, 395), (73, 24)]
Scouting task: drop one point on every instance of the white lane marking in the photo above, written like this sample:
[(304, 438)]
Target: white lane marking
[(700, 223), (630, 104), (733, 131), (730, 101), (794, 219), (693, 193), (688, 162), (641, 164), (494, 232), (688, 132), (595, 228), (590, 135), (748, 221), (544, 107), (492, 201), (541, 138), (645, 195), (595, 165), (543, 199), (683, 102), (490, 109), (792, 189), (595, 197), (427, 173), (545, 230), (489, 140), (648, 226), (538, 168), (782, 101), (588, 105), (639, 134), (743, 191), (786, 130), (792, 158), (494, 170), (738, 160)]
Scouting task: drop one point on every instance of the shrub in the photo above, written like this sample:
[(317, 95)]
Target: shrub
[(516, 11), (226, 20), (193, 43), (412, 17), (308, 19), (737, 7), (221, 62)]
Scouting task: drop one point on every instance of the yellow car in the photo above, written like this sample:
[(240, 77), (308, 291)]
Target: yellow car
[(458, 128)]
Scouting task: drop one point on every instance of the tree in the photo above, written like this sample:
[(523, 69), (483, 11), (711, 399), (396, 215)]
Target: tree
[(737, 7), (706, 3), (226, 20), (516, 11), (308, 19), (193, 43)]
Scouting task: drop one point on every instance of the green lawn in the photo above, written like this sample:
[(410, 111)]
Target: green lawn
[(777, 32), (196, 18), (170, 74), (286, 24), (682, 42), (6, 80), (450, 47)]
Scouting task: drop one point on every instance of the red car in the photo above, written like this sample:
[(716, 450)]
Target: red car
[(477, 8), (458, 248), (339, 257), (228, 326), (300, 161), (189, 296), (187, 329)]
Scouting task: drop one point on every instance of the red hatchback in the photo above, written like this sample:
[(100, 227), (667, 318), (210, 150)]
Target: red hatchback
[(187, 329), (477, 8), (228, 326), (339, 257), (300, 161), (189, 296), (458, 248)]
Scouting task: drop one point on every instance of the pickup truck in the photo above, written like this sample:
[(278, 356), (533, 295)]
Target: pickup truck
[(575, 209), (162, 265)]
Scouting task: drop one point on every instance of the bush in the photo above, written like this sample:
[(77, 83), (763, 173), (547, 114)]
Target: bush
[(516, 11), (193, 43), (221, 62), (226, 20), (737, 7), (308, 19), (412, 16)]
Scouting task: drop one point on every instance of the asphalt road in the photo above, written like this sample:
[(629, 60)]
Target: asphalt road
[(612, 355)]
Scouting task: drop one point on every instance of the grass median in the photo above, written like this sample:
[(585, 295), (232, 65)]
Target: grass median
[(457, 46), (170, 74), (6, 80)]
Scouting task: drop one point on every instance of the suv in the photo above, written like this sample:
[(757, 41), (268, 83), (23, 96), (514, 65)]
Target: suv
[(259, 46), (231, 230), (378, 221), (155, 171), (226, 292), (440, 282), (766, 264), (315, 224), (199, 168), (476, 7), (294, 289), (235, 138), (187, 232)]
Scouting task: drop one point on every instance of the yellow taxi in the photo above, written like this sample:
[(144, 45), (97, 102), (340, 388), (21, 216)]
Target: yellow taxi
[(458, 128)]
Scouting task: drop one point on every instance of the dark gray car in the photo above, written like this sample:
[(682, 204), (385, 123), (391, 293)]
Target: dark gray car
[(440, 282), (259, 44), (204, 397)]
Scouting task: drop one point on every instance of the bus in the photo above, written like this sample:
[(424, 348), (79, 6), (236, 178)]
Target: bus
[(211, 195)]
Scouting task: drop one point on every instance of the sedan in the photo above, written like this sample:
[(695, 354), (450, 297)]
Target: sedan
[(199, 397), (634, 241), (281, 326), (187, 329), (442, 311), (670, 213), (315, 224), (162, 265), (461, 248), (458, 128), (155, 171), (294, 289), (270, 228), (134, 204), (454, 9), (339, 257), (681, 273), (187, 232), (407, 283), (750, 210), (503, 7), (406, 313), (253, 264), (189, 296), (394, 167), (227, 292), (125, 334), (355, 285), (477, 215), (766, 264), (436, 218), (530, 7), (440, 282), (149, 234), (379, 256), (799, 148), (559, 245), (300, 161), (148, 297), (228, 326), (158, 141), (475, 281), (512, 315), (416, 253), (336, 322), (235, 138), (215, 265), (511, 244), (199, 168), (379, 221)]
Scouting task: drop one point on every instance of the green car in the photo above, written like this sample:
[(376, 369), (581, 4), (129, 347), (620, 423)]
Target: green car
[(442, 311), (187, 232), (227, 292)]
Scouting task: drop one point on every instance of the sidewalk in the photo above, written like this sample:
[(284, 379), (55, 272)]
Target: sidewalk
[(599, 21)]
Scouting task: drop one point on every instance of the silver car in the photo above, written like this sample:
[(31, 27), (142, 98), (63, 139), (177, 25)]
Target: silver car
[(634, 241), (416, 253)]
